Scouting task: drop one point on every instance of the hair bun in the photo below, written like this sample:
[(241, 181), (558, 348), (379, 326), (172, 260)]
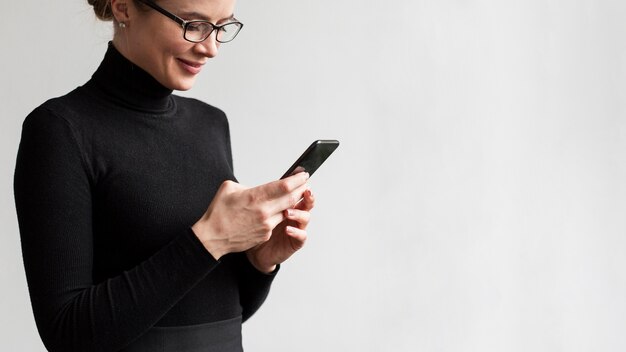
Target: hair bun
[(102, 9)]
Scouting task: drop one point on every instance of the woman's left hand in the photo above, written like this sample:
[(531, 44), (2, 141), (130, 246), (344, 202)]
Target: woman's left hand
[(288, 237)]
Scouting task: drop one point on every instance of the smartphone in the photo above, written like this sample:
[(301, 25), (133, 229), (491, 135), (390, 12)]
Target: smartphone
[(313, 157)]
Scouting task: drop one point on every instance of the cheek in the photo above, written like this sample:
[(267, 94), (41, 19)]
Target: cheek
[(178, 48), (164, 41), (168, 51)]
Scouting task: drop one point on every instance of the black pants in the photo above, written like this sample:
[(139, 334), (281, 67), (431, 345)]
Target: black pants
[(221, 336)]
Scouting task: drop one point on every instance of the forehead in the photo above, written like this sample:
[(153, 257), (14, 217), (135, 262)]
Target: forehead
[(212, 10)]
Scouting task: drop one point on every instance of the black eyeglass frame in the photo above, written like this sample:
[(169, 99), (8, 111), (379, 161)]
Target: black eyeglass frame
[(184, 23)]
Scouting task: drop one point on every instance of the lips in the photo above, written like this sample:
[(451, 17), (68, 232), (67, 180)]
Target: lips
[(190, 66)]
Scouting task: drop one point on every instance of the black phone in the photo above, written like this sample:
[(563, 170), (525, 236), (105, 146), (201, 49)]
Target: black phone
[(313, 157)]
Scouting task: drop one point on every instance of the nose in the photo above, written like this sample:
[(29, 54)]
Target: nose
[(209, 47)]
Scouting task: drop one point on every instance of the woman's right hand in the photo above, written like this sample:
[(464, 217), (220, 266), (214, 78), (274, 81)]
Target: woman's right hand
[(239, 218)]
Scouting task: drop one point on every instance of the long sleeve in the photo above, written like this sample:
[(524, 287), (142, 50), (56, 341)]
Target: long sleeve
[(53, 197), (254, 286)]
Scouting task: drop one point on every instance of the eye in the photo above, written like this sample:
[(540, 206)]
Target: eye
[(228, 32), (230, 28), (200, 27)]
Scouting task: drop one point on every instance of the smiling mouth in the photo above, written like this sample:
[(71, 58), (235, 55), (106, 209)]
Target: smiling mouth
[(191, 67)]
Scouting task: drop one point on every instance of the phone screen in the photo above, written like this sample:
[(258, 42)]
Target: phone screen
[(313, 157)]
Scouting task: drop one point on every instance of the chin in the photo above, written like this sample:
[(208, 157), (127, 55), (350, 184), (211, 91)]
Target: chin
[(181, 84)]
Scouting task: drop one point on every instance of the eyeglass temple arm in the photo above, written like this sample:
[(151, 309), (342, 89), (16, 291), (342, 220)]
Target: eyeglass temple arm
[(164, 12)]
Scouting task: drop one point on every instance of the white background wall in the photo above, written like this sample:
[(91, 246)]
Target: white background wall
[(478, 199)]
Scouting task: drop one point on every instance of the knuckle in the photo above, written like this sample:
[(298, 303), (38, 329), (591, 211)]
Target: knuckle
[(284, 186), (262, 215)]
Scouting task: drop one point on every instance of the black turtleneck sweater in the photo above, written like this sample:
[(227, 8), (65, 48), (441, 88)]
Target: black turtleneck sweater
[(108, 182)]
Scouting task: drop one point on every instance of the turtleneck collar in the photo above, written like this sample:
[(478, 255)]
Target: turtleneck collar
[(129, 85)]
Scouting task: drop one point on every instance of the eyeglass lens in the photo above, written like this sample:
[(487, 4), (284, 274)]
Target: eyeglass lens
[(199, 31)]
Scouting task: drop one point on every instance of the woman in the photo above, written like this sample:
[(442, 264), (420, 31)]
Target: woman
[(135, 236)]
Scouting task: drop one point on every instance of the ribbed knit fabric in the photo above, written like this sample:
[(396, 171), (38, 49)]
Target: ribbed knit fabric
[(108, 181)]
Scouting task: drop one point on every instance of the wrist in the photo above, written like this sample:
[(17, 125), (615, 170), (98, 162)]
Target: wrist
[(209, 245), (259, 265)]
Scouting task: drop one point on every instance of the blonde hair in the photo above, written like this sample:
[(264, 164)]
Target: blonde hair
[(102, 8)]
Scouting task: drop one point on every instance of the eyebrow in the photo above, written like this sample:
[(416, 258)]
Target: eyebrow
[(198, 16)]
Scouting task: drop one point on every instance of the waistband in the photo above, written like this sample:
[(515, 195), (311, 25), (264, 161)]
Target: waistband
[(220, 336)]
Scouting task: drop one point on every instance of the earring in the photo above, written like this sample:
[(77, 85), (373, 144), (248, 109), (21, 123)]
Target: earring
[(122, 25)]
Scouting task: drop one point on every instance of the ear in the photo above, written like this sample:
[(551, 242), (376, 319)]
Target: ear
[(120, 10)]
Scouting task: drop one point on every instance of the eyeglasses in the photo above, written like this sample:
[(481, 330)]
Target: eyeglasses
[(197, 31)]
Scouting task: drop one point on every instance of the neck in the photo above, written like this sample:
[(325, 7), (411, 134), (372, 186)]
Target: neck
[(129, 85)]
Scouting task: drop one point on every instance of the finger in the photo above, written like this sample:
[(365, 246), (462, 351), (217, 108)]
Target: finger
[(308, 201), (301, 217), (275, 219), (287, 185), (298, 234), (288, 200)]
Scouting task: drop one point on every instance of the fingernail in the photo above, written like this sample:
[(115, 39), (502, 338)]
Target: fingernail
[(289, 212), (307, 175), (289, 229)]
